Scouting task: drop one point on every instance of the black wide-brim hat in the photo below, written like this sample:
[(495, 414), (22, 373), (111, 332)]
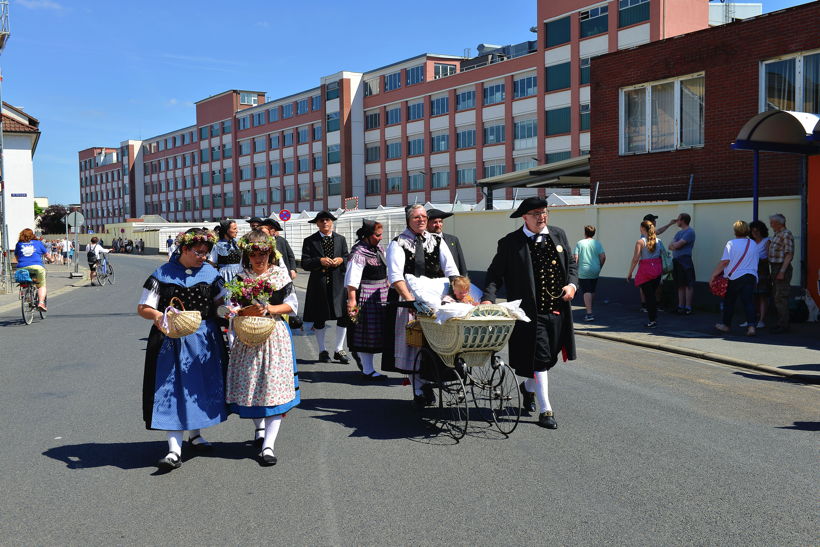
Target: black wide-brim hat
[(254, 220), (528, 205), (433, 214), (272, 223), (321, 216)]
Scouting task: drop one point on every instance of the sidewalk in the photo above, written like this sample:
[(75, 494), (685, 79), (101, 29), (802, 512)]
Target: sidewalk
[(57, 282), (795, 354)]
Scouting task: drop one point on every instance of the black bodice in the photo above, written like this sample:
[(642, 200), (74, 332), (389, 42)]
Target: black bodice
[(432, 262), (549, 278), (198, 297)]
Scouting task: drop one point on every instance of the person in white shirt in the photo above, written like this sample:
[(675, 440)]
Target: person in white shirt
[(93, 252), (739, 265)]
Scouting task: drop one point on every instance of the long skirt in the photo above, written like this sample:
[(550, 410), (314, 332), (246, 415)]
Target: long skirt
[(398, 356), (262, 380), (367, 334), (184, 380)]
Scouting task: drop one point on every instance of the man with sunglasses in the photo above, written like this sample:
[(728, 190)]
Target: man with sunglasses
[(536, 264)]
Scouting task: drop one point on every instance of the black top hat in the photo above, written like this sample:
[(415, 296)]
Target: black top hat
[(528, 205), (651, 218), (437, 213), (322, 215), (272, 223), (254, 220)]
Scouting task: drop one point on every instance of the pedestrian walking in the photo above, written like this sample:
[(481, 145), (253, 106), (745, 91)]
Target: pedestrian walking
[(183, 384), (435, 224), (590, 257), (781, 254), (647, 256), (537, 267), (93, 252), (683, 268), (262, 382), (323, 255), (367, 288), (763, 289), (739, 265)]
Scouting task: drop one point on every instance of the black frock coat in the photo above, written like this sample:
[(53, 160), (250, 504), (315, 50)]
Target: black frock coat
[(455, 249), (512, 266), (283, 247), (321, 304)]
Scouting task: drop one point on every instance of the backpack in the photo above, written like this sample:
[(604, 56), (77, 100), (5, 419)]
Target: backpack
[(91, 255)]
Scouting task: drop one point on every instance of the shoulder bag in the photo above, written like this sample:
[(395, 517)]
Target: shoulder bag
[(720, 284)]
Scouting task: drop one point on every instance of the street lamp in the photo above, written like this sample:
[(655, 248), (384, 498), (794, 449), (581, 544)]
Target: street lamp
[(5, 267)]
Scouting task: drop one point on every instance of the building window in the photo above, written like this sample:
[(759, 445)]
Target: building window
[(494, 94), (303, 134), (371, 153), (558, 121), (465, 100), (662, 116), (206, 201), (332, 91), (441, 179), (261, 196), (465, 138), (558, 76), (584, 117), (526, 133), (274, 142), (440, 142), (525, 87), (371, 87), (415, 75), (204, 155), (316, 103), (258, 119), (245, 172), (525, 163), (334, 186), (333, 154), (304, 191), (259, 144), (332, 122), (260, 171), (493, 169), (317, 132), (241, 123), (552, 157), (245, 198), (215, 153), (415, 182), (289, 193), (439, 106), (317, 162), (205, 178), (373, 185), (393, 115), (304, 164), (631, 12), (227, 174), (302, 106), (415, 111), (791, 84), (275, 169), (288, 138), (415, 147), (393, 150), (465, 176), (594, 21), (275, 195), (394, 184), (584, 77), (558, 32), (244, 148), (228, 199), (372, 120), (248, 98), (392, 81), (287, 110), (318, 190), (494, 134), (441, 70), (273, 114), (288, 166)]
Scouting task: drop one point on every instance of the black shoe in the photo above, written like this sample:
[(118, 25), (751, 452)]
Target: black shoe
[(258, 441), (374, 377), (546, 419), (341, 357), (324, 357), (528, 399), (170, 462), (203, 446), (267, 458), (651, 324), (428, 394)]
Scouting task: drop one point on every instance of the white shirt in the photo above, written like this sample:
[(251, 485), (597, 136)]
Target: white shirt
[(733, 251), (97, 248), (396, 258)]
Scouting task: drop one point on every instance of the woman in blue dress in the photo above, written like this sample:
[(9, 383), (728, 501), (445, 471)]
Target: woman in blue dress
[(226, 254), (183, 385)]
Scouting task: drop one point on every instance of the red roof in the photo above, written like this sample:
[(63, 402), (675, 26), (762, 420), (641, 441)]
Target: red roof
[(11, 125)]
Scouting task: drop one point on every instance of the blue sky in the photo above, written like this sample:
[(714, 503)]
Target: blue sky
[(97, 72)]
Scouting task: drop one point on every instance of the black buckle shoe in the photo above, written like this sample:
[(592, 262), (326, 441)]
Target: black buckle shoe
[(547, 419), (324, 357), (170, 462), (428, 394), (341, 357), (267, 458), (528, 398)]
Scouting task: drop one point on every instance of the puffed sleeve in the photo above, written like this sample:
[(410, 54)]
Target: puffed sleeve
[(395, 263), (150, 293)]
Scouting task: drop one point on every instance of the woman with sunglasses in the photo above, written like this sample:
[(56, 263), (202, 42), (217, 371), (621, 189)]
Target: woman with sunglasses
[(183, 386), (262, 382)]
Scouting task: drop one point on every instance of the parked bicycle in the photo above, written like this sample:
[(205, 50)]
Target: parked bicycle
[(29, 302)]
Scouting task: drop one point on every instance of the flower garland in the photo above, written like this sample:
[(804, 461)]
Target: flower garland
[(187, 239), (268, 245)]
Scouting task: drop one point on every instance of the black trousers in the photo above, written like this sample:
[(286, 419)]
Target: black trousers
[(649, 289), (548, 329)]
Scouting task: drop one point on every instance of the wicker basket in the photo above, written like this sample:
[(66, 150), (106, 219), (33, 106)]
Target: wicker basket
[(473, 338), (253, 330), (415, 336), (180, 323)]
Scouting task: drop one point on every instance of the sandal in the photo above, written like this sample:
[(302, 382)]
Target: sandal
[(171, 461), (267, 458), (202, 446)]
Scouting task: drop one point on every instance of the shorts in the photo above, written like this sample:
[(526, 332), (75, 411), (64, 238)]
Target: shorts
[(92, 265), (37, 274), (65, 254), (588, 285), (683, 272)]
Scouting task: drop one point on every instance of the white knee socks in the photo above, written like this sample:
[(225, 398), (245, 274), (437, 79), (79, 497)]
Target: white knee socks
[(258, 423), (272, 424), (320, 339), (540, 385), (175, 441), (367, 362), (341, 334)]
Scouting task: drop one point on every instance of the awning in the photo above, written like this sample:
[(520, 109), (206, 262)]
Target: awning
[(571, 173), (781, 131)]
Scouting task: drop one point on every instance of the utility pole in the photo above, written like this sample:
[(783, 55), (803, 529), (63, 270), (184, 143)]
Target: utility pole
[(5, 267)]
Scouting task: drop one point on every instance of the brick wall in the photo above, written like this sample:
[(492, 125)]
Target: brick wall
[(730, 57)]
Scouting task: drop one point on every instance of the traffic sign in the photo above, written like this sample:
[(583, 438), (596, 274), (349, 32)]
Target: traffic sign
[(284, 215), (74, 219)]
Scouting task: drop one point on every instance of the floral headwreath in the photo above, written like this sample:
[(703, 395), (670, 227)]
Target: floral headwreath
[(188, 239), (268, 245)]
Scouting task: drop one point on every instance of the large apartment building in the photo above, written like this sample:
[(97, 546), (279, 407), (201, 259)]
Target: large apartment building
[(422, 129)]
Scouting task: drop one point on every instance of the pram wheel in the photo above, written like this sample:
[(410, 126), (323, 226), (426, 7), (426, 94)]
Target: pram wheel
[(449, 412), (495, 394)]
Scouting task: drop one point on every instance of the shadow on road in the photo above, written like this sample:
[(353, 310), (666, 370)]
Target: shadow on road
[(803, 426)]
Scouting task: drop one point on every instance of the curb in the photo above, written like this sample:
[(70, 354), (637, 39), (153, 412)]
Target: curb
[(56, 292), (714, 357)]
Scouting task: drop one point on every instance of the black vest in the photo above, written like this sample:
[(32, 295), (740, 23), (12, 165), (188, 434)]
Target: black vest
[(549, 279), (432, 261)]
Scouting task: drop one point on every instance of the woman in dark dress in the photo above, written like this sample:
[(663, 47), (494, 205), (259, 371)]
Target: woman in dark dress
[(183, 384), (226, 254)]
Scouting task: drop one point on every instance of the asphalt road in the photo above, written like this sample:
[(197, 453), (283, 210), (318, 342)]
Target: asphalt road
[(652, 448)]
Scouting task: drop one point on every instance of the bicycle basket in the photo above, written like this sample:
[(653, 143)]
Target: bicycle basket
[(22, 276)]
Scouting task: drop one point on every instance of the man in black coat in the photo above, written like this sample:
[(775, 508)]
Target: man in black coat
[(324, 255), (536, 264), (272, 228), (435, 225)]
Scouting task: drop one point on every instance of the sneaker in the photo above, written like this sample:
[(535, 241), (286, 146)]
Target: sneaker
[(721, 327), (324, 357), (643, 308), (761, 324), (652, 324), (744, 324), (589, 317)]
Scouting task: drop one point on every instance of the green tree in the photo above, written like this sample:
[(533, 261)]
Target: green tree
[(37, 210), (51, 221)]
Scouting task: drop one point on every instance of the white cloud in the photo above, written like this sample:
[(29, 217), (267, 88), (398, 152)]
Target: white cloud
[(40, 4)]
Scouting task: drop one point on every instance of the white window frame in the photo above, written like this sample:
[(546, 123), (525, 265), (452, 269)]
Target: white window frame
[(799, 90)]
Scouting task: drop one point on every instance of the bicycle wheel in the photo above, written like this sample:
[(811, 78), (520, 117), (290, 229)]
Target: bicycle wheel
[(109, 274), (496, 395), (100, 275), (27, 304)]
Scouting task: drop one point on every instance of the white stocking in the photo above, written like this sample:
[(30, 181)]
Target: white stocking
[(341, 334), (367, 363), (258, 423), (541, 394), (320, 339), (175, 441), (272, 424)]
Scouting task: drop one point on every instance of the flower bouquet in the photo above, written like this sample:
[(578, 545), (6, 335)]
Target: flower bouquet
[(251, 330)]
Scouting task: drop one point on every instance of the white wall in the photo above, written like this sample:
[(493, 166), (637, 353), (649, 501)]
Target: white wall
[(19, 180)]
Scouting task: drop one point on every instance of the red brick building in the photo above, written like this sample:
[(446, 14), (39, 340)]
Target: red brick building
[(667, 112)]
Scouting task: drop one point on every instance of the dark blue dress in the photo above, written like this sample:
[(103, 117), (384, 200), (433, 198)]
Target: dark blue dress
[(184, 380)]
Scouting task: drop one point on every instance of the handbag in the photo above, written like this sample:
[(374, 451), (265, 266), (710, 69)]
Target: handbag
[(648, 269), (720, 284), (666, 257), (177, 323)]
